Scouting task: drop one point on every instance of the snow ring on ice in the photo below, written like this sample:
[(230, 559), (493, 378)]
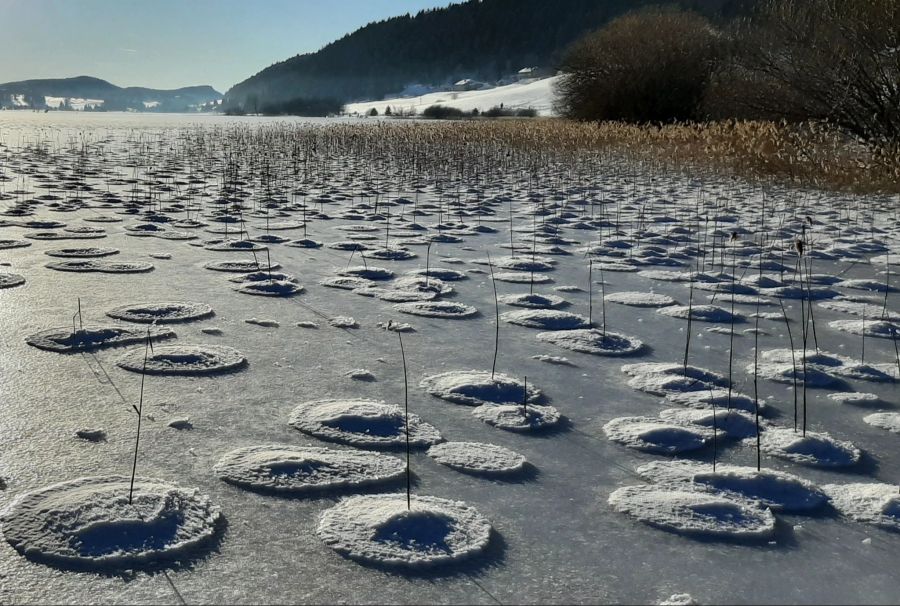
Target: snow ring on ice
[(855, 398), (347, 283), (778, 490), (287, 469), (593, 341), (240, 266), (664, 378), (884, 420), (89, 522), (365, 423), (814, 449), (522, 278), (657, 436), (437, 309), (478, 458), (368, 273), (545, 319), (881, 329), (270, 288), (694, 511), (6, 244), (701, 313), (234, 245), (389, 254), (477, 387), (515, 417), (184, 360), (162, 313), (379, 529), (734, 423), (534, 301), (92, 338), (106, 267), (640, 299), (88, 252), (877, 504), (10, 280)]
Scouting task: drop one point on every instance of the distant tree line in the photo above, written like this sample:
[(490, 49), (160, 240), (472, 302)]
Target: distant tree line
[(826, 60)]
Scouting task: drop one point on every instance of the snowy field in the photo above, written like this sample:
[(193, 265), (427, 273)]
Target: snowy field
[(280, 263), (536, 94)]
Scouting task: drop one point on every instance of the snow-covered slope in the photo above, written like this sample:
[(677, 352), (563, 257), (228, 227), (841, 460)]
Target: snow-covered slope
[(537, 94)]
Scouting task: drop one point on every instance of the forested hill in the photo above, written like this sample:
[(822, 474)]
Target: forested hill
[(481, 39)]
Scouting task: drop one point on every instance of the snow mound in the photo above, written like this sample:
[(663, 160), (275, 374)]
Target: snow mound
[(856, 308), (262, 322), (822, 368), (365, 423), (884, 420), (389, 254), (298, 470), (657, 436), (694, 511), (437, 309), (360, 374), (478, 458), (89, 522), (640, 299), (87, 252), (162, 313), (379, 529), (477, 387), (392, 295), (534, 301), (664, 378), (515, 277), (6, 244), (701, 313), (106, 267), (855, 398), (448, 275), (814, 449), (515, 417), (560, 360), (545, 319), (777, 490), (343, 322), (92, 338), (261, 276), (270, 288), (184, 360), (8, 280), (367, 273), (876, 504), (717, 396), (347, 283), (679, 599), (733, 423), (240, 266), (593, 341), (234, 245), (881, 329)]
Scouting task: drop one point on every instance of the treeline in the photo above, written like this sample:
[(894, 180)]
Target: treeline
[(833, 61), (481, 39)]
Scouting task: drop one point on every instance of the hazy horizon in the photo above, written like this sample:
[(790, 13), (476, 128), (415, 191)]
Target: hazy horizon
[(169, 44)]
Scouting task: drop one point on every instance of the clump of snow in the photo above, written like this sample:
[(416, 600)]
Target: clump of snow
[(701, 313), (855, 398), (815, 449), (269, 288), (184, 360), (547, 319), (884, 420), (718, 397), (366, 273), (881, 329), (657, 436), (380, 529), (870, 503), (92, 338), (343, 322), (560, 360), (89, 522), (437, 309), (91, 434), (477, 387), (594, 341), (534, 301), (518, 418), (478, 458), (693, 510), (365, 423), (263, 323), (664, 378), (734, 423), (679, 599), (396, 326), (307, 324), (162, 313), (295, 470), (640, 299)]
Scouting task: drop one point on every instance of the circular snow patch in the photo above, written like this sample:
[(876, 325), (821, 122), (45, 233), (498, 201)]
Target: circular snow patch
[(87, 252), (389, 254), (437, 309), (515, 417), (91, 338), (733, 423), (881, 329), (162, 313), (260, 276), (365, 423), (9, 243), (89, 522), (813, 449), (694, 511), (778, 490), (478, 458), (522, 278), (289, 469), (368, 273), (269, 288), (10, 280), (877, 504), (184, 360), (106, 267), (884, 420), (448, 275), (395, 296), (347, 283), (664, 378), (547, 319), (235, 245), (240, 266), (534, 301), (657, 436), (380, 529), (701, 313), (593, 341), (855, 398), (640, 299), (477, 387)]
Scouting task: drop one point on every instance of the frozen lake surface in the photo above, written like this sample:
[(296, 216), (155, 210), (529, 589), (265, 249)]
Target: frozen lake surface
[(554, 225)]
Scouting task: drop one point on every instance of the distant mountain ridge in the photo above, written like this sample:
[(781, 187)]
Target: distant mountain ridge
[(482, 39), (34, 93)]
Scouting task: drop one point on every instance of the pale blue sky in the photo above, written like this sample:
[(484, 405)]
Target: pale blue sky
[(174, 43)]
